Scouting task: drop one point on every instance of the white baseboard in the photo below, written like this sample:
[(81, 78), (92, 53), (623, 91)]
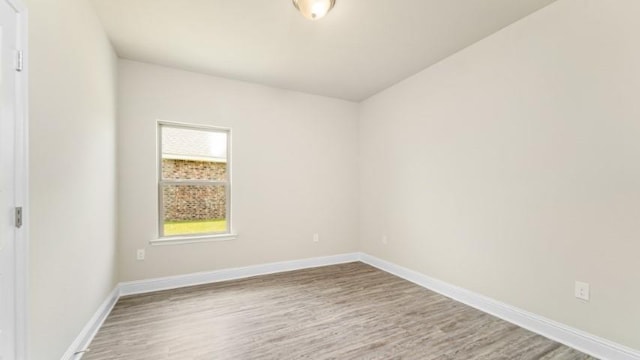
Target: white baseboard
[(144, 286), (173, 282), (91, 328), (580, 340), (577, 339)]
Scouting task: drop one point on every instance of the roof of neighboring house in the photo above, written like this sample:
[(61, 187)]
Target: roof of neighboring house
[(188, 144)]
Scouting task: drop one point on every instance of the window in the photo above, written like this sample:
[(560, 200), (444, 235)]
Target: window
[(194, 182)]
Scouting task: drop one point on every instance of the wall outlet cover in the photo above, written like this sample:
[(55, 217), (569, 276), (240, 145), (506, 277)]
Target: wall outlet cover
[(582, 290)]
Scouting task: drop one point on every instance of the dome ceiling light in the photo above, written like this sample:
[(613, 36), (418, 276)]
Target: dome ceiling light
[(314, 9)]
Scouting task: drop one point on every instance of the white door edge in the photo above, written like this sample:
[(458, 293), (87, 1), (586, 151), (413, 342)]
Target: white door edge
[(21, 185)]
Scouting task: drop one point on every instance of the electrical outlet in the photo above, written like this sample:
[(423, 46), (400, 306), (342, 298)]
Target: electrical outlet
[(582, 291), (140, 254), (385, 240), (316, 237)]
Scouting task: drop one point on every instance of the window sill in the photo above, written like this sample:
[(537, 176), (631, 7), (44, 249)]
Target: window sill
[(179, 240)]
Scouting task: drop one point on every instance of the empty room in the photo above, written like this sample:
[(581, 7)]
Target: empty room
[(320, 179)]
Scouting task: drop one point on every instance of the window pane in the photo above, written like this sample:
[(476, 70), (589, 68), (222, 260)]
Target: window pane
[(189, 154), (175, 169), (194, 209)]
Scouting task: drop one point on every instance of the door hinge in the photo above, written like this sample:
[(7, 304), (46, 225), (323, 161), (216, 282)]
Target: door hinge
[(18, 220), (19, 61)]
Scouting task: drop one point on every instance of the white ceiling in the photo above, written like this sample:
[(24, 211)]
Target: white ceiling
[(359, 49)]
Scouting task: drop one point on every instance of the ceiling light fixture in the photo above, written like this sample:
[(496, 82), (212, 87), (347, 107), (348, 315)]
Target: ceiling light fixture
[(314, 9)]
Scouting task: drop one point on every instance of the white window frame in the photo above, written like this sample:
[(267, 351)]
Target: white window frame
[(201, 237)]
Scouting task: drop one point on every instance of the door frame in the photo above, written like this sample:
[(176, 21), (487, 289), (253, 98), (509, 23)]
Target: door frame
[(21, 173)]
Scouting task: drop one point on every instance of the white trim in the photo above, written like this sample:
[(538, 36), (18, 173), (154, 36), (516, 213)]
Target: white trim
[(181, 240), (166, 156), (577, 339), (580, 340), (193, 126), (174, 282), (91, 328), (22, 184), (161, 182), (144, 286)]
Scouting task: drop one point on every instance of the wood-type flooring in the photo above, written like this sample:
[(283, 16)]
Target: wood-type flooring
[(347, 311)]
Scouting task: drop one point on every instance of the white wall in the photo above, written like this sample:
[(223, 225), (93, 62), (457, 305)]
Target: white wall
[(294, 168), (72, 169), (512, 168)]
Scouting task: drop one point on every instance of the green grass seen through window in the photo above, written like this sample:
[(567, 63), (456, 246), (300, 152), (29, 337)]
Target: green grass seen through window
[(172, 228)]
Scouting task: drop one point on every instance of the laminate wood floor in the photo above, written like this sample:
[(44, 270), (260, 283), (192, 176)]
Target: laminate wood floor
[(348, 311)]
